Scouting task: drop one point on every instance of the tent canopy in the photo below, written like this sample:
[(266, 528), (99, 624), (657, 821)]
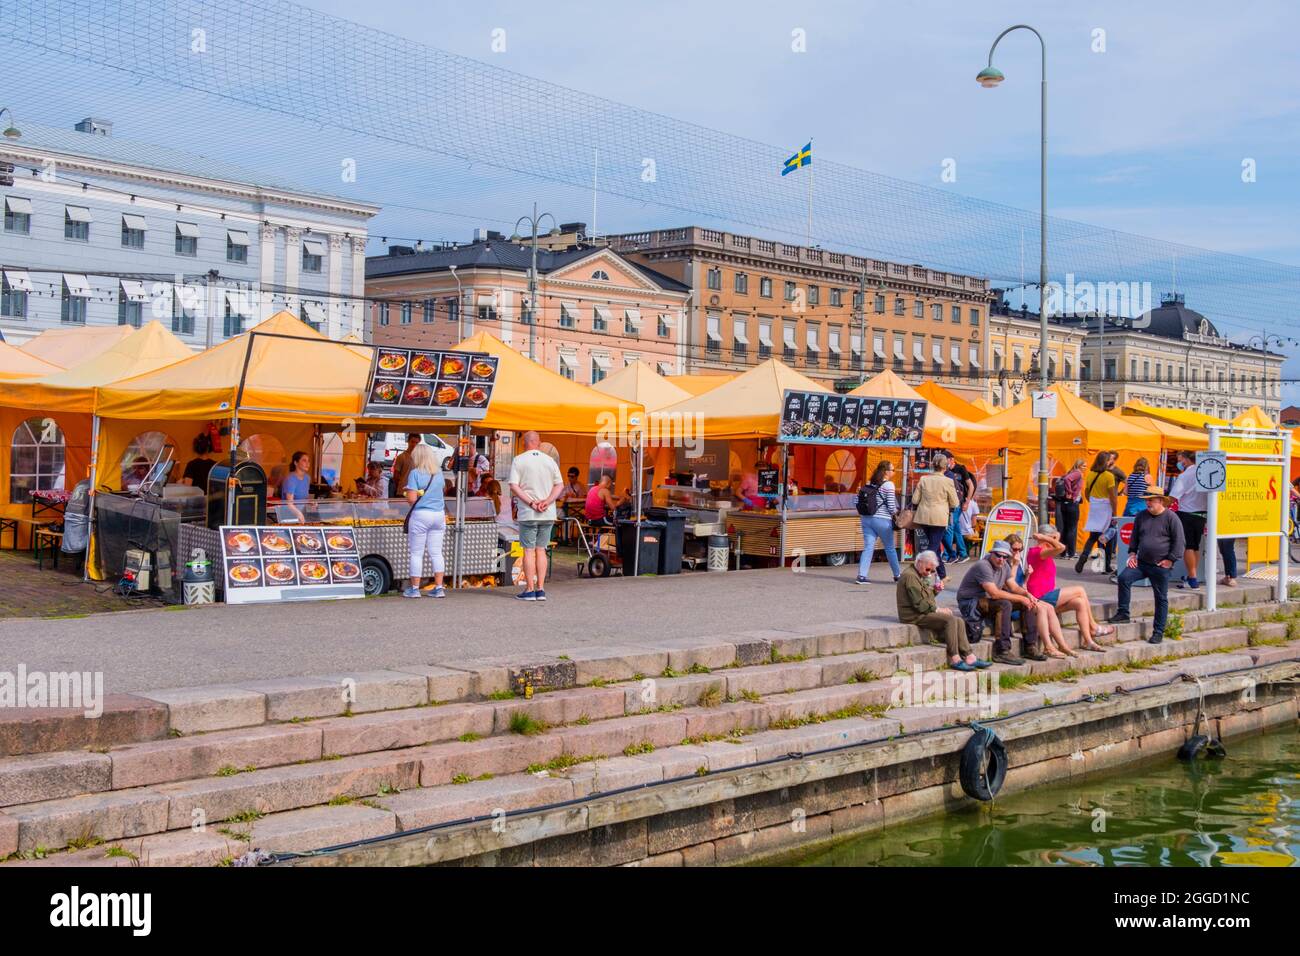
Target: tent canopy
[(887, 385), (1172, 437), (747, 406), (17, 364), (641, 384), (1254, 417), (145, 349), (983, 405), (950, 402), (1175, 416), (68, 347), (700, 383), (1079, 426)]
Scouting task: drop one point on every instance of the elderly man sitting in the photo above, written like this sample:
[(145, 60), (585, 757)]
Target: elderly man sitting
[(917, 604), (988, 591)]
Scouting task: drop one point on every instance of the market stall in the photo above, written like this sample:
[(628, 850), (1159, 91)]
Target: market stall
[(950, 402), (69, 346)]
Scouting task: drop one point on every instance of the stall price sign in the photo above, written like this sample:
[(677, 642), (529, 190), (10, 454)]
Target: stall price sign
[(1006, 517), (819, 418), (456, 386), (282, 563)]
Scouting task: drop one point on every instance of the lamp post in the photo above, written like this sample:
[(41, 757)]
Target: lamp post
[(10, 131), (990, 77), (534, 221)]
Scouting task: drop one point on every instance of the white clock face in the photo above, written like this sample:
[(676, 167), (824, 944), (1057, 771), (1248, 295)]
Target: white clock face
[(1211, 473)]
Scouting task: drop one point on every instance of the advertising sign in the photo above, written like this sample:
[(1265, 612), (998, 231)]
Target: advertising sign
[(1007, 517), (1044, 404), (283, 563), (1248, 445), (817, 418), (1252, 500), (456, 386)]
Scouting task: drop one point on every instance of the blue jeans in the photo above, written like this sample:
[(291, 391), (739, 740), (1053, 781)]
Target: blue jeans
[(954, 544), (873, 527), (1159, 578)]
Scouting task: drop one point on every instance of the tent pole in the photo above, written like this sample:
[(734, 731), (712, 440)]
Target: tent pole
[(636, 490), (785, 485), (90, 505), (461, 442)]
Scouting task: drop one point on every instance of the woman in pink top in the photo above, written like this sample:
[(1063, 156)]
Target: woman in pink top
[(1041, 561)]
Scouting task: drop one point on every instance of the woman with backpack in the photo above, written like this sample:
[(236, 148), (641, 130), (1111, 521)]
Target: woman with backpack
[(877, 506), (1069, 492)]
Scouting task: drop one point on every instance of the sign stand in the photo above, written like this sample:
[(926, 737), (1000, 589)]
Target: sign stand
[(1248, 450)]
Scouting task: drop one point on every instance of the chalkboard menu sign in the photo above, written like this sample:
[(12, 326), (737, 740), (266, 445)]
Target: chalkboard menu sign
[(440, 384), (817, 418), (769, 482), (290, 563)]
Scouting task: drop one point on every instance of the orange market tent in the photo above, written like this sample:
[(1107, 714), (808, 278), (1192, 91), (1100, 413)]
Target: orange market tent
[(700, 383), (68, 347), (943, 429), (1172, 437), (17, 364), (640, 384), (747, 406), (983, 405), (1254, 417), (1175, 416), (950, 402)]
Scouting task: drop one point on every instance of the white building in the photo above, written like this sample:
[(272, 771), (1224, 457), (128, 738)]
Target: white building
[(99, 230)]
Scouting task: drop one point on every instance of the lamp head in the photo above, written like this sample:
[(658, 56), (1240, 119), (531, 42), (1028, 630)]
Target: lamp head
[(11, 132), (989, 77)]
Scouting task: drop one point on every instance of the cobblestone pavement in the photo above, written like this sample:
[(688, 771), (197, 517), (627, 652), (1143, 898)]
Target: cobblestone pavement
[(27, 592)]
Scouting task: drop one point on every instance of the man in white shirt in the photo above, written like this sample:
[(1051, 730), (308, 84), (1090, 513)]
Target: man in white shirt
[(1191, 512), (536, 483)]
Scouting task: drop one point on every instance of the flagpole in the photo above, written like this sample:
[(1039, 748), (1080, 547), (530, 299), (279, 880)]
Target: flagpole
[(810, 192)]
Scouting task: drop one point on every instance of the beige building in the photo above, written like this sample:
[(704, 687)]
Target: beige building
[(1014, 340), (596, 310), (834, 316), (1174, 357)]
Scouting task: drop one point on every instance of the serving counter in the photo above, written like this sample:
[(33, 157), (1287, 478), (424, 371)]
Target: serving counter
[(826, 525)]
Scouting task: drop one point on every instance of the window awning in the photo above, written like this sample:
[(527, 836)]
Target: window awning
[(18, 279), (568, 311), (602, 361), (666, 319), (632, 317), (134, 291), (918, 351), (712, 328), (569, 360), (811, 336), (855, 344), (936, 352), (77, 285), (997, 352), (236, 238), (18, 204), (189, 230), (313, 246), (954, 355), (239, 301), (834, 342), (898, 348), (739, 332), (482, 299), (765, 335), (77, 214), (878, 347), (315, 312), (132, 221), (974, 357), (602, 313), (666, 368), (788, 336)]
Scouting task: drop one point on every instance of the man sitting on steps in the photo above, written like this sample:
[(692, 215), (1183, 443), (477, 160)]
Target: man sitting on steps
[(988, 592), (917, 605)]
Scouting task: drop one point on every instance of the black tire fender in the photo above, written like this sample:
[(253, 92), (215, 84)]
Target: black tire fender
[(983, 764), (1202, 745)]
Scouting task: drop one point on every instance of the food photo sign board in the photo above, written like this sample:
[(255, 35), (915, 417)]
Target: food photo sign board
[(440, 384), (819, 418), (277, 563)]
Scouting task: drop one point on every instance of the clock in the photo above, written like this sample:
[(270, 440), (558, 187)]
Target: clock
[(1211, 473)]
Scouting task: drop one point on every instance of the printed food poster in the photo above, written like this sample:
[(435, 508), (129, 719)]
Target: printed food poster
[(263, 564), (441, 384), (819, 418)]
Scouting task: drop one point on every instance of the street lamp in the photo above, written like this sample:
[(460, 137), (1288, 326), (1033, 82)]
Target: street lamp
[(534, 222), (990, 77), (10, 131)]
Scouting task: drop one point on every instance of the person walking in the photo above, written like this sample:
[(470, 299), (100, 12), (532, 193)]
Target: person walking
[(426, 523), (877, 505), (935, 497), (1154, 547), (536, 483), (915, 597), (1067, 507), (1102, 501)]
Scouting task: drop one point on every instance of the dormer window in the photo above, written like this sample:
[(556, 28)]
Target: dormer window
[(600, 275)]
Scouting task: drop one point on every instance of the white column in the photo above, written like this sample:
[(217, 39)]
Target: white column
[(357, 288), (334, 327), (292, 265), (266, 252)]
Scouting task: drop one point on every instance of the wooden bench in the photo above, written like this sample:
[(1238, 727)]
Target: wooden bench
[(43, 538), (15, 525)]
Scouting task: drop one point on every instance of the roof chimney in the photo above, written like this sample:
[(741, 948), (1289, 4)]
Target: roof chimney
[(96, 127)]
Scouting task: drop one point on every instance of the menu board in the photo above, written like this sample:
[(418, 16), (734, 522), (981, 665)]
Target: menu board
[(289, 563), (440, 384), (817, 418)]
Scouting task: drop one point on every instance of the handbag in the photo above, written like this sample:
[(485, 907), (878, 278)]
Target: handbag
[(905, 519), (406, 522)]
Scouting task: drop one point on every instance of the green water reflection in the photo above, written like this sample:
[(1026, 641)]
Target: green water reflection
[(1242, 811)]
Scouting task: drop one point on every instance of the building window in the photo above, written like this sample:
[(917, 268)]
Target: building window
[(936, 312), (133, 232), (918, 309), (765, 339), (488, 313), (13, 299), (857, 300), (311, 261), (742, 283), (739, 336), (187, 239), (74, 302), (814, 295), (76, 223), (837, 297), (599, 368), (183, 318), (236, 246), (1017, 360), (1110, 371), (715, 279), (1133, 371), (232, 322), (765, 287), (36, 459), (128, 312), (1086, 370), (599, 321), (382, 309), (1146, 371), (880, 303), (428, 310), (997, 360), (568, 366), (407, 309), (899, 305), (789, 291), (661, 326), (600, 275), (713, 335), (18, 215), (453, 309), (974, 316), (956, 314)]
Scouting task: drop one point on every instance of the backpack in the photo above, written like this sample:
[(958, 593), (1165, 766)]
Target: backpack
[(1059, 491), (868, 499)]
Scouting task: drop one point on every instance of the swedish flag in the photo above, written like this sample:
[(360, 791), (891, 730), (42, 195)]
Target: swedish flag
[(801, 158)]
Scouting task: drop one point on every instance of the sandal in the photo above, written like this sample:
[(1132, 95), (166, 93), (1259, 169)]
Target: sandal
[(1094, 648), (1104, 630)]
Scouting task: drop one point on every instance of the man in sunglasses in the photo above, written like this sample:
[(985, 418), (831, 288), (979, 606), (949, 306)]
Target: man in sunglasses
[(989, 592)]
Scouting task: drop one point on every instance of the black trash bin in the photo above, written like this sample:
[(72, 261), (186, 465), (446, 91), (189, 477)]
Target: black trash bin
[(674, 539), (652, 533)]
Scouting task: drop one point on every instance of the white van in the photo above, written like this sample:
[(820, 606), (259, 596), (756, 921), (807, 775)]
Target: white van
[(394, 443)]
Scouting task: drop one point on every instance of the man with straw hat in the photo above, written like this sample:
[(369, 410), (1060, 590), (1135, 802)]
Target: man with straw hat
[(1156, 544)]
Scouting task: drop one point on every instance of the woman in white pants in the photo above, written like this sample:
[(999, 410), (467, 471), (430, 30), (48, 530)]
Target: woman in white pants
[(428, 520)]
